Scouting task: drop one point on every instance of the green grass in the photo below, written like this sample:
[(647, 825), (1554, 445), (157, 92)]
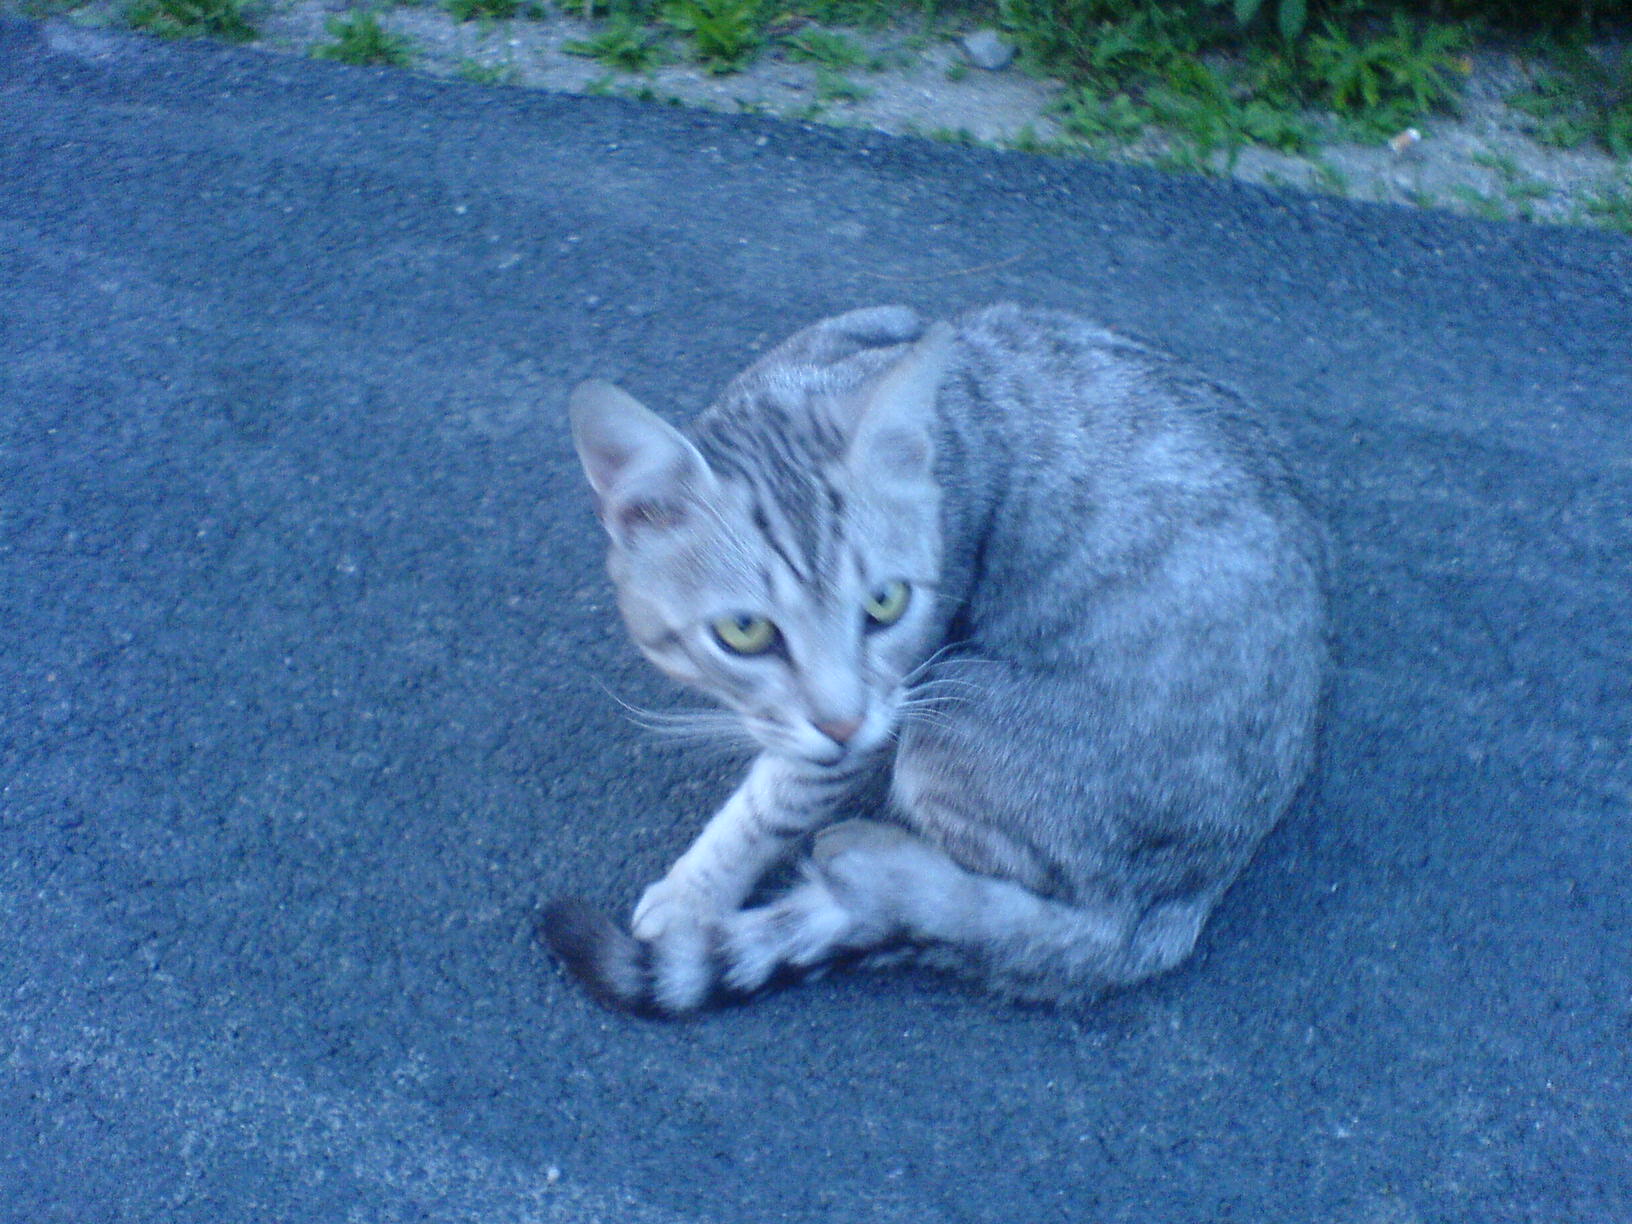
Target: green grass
[(1381, 83), (479, 73), (1329, 178), (834, 86), (1612, 208), (489, 10), (223, 19), (1580, 98), (825, 48), (360, 39), (40, 10), (1517, 188), (624, 45), (1185, 83), (1102, 120), (1480, 204), (862, 14), (1218, 85), (724, 34)]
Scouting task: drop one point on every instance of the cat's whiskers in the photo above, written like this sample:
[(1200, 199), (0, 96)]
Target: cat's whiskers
[(703, 726)]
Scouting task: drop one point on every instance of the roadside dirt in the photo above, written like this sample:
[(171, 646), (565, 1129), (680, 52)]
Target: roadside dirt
[(1483, 161)]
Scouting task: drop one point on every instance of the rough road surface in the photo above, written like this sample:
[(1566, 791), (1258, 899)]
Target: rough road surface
[(305, 656)]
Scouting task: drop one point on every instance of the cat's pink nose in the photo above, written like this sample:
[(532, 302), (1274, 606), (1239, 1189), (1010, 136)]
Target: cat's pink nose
[(840, 731)]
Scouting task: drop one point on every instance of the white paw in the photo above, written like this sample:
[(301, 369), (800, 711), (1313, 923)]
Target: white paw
[(673, 903), (802, 929)]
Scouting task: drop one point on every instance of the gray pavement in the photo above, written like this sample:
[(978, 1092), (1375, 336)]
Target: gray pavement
[(306, 662)]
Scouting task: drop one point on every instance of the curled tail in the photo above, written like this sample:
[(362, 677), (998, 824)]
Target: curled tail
[(681, 973), (870, 889)]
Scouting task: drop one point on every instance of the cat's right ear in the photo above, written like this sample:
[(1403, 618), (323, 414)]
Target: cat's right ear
[(644, 471)]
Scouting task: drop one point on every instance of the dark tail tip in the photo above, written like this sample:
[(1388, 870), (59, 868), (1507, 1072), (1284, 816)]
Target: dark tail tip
[(575, 931), (611, 964)]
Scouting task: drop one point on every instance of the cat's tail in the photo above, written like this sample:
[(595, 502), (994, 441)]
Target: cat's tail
[(870, 891), (679, 974)]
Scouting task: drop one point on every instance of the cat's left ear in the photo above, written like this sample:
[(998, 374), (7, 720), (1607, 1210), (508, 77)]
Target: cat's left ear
[(646, 474), (894, 431)]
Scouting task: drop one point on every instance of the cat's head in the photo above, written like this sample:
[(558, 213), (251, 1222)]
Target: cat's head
[(792, 573)]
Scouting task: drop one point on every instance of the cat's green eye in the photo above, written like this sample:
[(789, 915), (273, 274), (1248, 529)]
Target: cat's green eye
[(888, 603), (745, 635)]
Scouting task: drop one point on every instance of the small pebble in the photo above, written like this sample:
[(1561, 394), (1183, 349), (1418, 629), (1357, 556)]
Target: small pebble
[(987, 49)]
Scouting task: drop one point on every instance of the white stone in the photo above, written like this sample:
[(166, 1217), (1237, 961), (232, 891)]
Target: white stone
[(988, 49)]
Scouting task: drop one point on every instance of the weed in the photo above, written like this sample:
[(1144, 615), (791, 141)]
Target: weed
[(957, 70), (1101, 120), (624, 44), (836, 87), (1183, 158), (1384, 82), (1585, 98), (1329, 178), (493, 10), (725, 34), (1517, 187), (362, 40), (40, 10), (1612, 208), (479, 73), (1504, 166), (1290, 15), (1113, 44), (1026, 140), (1525, 190), (222, 19), (866, 14), (827, 49), (1205, 108), (1480, 204)]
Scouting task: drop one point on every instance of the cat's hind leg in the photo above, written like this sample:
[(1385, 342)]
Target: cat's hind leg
[(870, 887)]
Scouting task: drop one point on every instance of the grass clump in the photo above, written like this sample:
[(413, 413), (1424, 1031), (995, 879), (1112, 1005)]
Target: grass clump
[(361, 39), (724, 34), (223, 19), (834, 86), (1612, 208), (1383, 81), (625, 45), (863, 14), (825, 48), (1582, 98), (1222, 74), (483, 10), (478, 73)]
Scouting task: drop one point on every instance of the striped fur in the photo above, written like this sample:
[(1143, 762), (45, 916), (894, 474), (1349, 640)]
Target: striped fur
[(1096, 694)]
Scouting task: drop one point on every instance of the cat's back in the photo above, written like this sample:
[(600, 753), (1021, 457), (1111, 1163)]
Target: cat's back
[(1066, 397), (1081, 463)]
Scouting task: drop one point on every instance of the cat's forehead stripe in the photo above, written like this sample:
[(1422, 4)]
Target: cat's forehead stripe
[(780, 459)]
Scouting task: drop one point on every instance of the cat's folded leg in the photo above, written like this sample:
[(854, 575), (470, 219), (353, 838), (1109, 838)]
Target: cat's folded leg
[(856, 896), (778, 802), (872, 886)]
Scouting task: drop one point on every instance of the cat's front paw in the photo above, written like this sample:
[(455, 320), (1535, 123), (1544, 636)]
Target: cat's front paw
[(675, 902)]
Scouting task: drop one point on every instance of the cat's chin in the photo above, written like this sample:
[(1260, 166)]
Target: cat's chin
[(819, 750)]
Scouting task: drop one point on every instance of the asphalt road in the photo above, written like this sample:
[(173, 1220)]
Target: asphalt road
[(306, 661)]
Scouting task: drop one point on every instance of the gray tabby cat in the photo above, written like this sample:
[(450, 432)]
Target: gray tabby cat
[(1057, 588)]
